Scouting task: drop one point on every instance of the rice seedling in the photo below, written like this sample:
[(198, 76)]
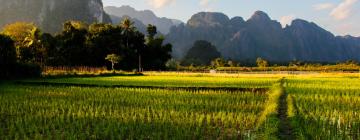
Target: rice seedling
[(325, 108)]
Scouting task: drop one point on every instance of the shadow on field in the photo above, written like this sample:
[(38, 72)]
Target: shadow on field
[(230, 89), (91, 75)]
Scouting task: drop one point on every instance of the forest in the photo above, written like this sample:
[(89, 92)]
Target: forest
[(25, 46)]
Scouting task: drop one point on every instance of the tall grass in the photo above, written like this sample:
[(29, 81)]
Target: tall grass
[(325, 108), (41, 112)]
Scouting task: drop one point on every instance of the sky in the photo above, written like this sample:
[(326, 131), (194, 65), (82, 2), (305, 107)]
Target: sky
[(341, 17)]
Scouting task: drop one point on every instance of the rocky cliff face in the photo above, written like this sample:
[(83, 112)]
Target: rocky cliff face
[(260, 36), (50, 14)]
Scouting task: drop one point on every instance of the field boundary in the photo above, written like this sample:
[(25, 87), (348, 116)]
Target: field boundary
[(231, 89)]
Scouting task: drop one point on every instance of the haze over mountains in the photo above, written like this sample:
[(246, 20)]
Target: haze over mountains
[(235, 38), (146, 17)]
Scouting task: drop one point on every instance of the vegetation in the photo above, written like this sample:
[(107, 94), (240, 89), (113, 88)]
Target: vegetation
[(168, 81), (79, 44), (114, 59), (328, 107), (262, 63), (308, 107), (128, 113)]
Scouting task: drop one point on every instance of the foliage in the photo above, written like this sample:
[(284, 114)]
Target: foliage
[(156, 53), (262, 63), (132, 114), (79, 44), (218, 62), (7, 51), (7, 55), (172, 64), (26, 37), (114, 59), (328, 106)]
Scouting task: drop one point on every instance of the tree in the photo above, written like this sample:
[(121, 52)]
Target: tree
[(7, 55), (202, 53), (26, 40), (128, 27), (134, 37), (157, 53), (218, 62), (103, 39), (152, 31), (72, 49), (262, 63), (172, 64), (7, 51), (114, 59)]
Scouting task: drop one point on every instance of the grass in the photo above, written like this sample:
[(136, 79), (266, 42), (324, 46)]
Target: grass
[(168, 81), (33, 112), (322, 106), (330, 107)]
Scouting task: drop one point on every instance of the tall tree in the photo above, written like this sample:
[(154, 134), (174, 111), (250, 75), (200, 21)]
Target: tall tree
[(152, 31), (128, 27), (7, 55), (103, 39), (25, 36), (134, 39), (72, 51)]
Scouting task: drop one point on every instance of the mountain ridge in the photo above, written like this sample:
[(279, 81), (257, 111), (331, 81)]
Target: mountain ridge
[(145, 16), (49, 15), (260, 36)]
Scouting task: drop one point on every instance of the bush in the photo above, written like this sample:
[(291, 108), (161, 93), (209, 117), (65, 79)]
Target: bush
[(20, 70)]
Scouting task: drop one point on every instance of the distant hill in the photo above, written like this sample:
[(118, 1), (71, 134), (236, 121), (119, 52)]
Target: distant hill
[(260, 36), (49, 15), (146, 17)]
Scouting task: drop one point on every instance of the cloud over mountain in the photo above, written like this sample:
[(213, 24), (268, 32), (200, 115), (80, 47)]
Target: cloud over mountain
[(160, 3)]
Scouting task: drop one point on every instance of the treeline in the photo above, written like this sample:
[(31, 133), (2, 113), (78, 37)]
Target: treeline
[(79, 44)]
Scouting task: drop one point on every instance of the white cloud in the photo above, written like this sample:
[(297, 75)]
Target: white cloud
[(323, 6), (286, 20), (343, 10), (160, 3), (204, 2)]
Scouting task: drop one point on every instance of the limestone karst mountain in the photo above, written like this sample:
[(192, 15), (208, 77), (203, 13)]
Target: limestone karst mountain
[(50, 14), (260, 36)]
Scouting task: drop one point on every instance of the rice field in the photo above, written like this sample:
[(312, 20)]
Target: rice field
[(324, 108), (168, 81), (291, 107)]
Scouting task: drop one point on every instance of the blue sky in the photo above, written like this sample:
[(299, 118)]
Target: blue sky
[(341, 17)]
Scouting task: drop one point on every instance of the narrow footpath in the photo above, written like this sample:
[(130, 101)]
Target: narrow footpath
[(285, 130)]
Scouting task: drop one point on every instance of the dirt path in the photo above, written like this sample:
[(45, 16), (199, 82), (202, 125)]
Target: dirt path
[(285, 130)]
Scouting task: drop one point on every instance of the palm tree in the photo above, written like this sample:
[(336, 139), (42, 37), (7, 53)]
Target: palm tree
[(128, 27)]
